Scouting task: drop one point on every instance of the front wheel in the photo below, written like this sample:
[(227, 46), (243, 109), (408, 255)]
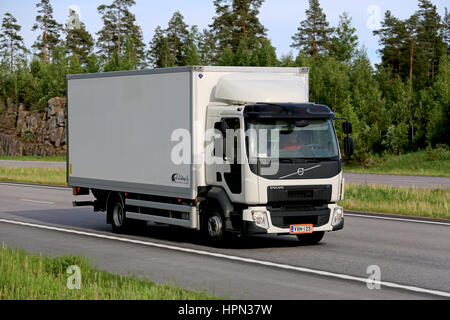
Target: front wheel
[(311, 239), (214, 227)]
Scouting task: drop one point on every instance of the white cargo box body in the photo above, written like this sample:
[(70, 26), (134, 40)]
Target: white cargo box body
[(121, 124)]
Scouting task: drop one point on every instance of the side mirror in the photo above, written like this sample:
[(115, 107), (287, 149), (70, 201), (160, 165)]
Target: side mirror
[(347, 126), (349, 146)]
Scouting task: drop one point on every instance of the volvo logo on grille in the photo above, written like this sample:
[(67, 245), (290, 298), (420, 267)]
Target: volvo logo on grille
[(300, 172)]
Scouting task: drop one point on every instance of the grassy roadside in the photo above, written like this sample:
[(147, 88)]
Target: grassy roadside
[(33, 158), (48, 176), (403, 201), (30, 277), (433, 163)]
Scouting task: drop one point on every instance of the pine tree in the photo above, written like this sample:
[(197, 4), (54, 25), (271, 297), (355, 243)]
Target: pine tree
[(411, 26), (243, 56), (227, 58), (10, 39), (206, 48), (136, 46), (222, 25), (75, 65), (79, 41), (160, 55), (121, 7), (118, 25), (177, 35), (129, 60), (107, 36), (190, 49), (246, 18), (441, 95), (345, 42), (314, 33), (236, 20), (287, 60), (429, 38), (92, 65), (51, 29), (392, 36), (265, 55)]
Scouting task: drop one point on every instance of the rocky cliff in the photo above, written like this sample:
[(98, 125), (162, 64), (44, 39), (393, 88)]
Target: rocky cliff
[(33, 133)]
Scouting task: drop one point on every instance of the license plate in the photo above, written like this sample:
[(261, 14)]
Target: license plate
[(301, 229)]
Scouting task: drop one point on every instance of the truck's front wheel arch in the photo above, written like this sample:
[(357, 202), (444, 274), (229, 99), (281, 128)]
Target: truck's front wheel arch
[(218, 200)]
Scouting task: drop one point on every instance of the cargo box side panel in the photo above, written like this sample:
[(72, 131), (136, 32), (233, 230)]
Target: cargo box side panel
[(121, 131)]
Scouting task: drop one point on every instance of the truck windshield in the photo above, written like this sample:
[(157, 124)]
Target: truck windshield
[(291, 140)]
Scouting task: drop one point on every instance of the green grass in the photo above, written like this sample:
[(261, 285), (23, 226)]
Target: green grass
[(432, 162), (48, 176), (35, 158), (403, 201), (30, 277)]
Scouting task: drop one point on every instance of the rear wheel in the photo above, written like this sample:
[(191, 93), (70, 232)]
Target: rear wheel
[(311, 239), (118, 216)]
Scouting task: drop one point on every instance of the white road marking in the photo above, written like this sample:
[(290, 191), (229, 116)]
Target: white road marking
[(36, 201), (397, 219), (235, 258)]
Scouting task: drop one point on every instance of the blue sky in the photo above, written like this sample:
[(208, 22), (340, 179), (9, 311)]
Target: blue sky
[(280, 17)]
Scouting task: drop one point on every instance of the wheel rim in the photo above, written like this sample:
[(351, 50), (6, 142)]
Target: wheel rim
[(118, 215), (215, 226)]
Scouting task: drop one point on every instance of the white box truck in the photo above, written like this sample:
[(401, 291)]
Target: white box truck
[(219, 149)]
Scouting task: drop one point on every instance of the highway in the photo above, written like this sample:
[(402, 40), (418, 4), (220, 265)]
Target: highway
[(413, 256)]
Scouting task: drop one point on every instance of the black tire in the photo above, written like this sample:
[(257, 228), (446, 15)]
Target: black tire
[(311, 239), (120, 223), (214, 226)]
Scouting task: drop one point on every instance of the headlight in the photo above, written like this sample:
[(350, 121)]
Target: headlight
[(260, 219), (337, 216)]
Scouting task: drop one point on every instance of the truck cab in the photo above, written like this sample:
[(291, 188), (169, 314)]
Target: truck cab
[(274, 167)]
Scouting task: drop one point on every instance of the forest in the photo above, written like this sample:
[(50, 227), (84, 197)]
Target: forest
[(400, 105)]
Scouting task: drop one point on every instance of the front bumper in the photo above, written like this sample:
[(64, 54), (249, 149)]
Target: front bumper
[(321, 220)]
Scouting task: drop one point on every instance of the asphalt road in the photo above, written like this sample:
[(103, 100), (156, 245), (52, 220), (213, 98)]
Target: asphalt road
[(351, 178), (413, 256)]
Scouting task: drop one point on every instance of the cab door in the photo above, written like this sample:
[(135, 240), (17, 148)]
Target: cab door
[(227, 169)]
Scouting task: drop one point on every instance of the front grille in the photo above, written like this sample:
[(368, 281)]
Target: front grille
[(299, 194), (295, 195), (284, 218)]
